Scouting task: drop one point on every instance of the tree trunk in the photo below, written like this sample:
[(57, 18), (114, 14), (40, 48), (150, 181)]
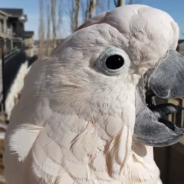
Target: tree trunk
[(119, 3), (89, 8), (92, 8), (77, 6), (41, 29), (60, 7), (53, 17), (108, 4), (74, 13), (48, 30)]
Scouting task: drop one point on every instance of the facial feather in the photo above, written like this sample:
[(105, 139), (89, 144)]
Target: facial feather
[(87, 117)]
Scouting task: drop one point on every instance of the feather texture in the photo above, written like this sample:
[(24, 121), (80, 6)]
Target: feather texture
[(73, 124)]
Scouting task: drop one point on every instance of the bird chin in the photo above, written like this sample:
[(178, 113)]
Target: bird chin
[(166, 81)]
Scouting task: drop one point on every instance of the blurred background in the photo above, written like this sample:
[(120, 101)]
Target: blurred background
[(30, 29)]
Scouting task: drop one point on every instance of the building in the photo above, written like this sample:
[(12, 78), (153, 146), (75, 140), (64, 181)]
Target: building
[(29, 39), (16, 44), (29, 43), (13, 65), (12, 28), (5, 33)]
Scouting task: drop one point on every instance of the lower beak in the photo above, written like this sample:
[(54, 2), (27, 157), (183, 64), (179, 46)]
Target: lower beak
[(166, 81)]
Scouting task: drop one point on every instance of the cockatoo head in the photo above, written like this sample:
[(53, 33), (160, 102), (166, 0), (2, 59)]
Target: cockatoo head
[(119, 59), (92, 101)]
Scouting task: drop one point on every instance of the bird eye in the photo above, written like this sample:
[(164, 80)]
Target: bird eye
[(113, 61)]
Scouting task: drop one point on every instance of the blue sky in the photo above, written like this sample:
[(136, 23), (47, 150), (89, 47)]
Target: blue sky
[(31, 7)]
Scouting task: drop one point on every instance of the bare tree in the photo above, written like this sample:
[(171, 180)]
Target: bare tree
[(48, 28), (52, 22), (41, 29), (53, 17), (108, 4), (89, 8), (119, 2), (84, 5), (59, 23), (76, 14), (122, 2), (74, 8)]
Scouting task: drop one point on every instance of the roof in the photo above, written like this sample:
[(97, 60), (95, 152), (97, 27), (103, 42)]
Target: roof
[(4, 13), (13, 11), (28, 33)]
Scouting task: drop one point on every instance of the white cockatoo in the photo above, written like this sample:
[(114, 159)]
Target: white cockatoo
[(85, 114)]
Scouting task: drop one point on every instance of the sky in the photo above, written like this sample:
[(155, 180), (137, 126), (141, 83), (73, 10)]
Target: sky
[(31, 8)]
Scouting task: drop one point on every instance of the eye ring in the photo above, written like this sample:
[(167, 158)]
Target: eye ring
[(122, 59)]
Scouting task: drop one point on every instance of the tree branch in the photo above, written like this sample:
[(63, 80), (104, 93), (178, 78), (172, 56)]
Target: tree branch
[(115, 3)]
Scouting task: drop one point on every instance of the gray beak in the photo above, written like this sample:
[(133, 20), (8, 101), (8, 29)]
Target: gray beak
[(166, 80)]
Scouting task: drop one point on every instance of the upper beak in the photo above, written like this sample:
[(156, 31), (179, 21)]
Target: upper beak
[(166, 80)]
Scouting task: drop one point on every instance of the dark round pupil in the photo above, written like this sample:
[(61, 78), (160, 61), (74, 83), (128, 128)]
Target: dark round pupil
[(114, 62)]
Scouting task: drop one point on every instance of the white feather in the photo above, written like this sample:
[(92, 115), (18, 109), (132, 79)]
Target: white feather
[(73, 123)]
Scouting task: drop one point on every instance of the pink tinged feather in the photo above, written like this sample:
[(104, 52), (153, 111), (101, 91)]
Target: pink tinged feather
[(85, 144), (119, 150), (99, 163), (47, 157), (123, 147), (23, 138), (76, 124), (65, 178), (113, 126), (76, 171)]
